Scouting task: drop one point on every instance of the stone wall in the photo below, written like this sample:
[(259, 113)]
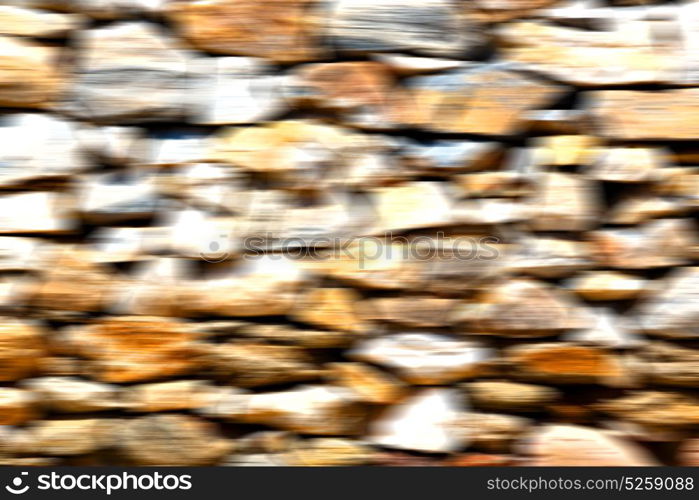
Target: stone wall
[(347, 232)]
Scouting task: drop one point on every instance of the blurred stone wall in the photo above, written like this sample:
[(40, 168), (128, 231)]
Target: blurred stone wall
[(347, 232)]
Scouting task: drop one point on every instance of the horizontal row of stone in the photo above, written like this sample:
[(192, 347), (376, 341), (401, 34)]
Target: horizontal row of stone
[(142, 348), (433, 420), (275, 216), (66, 279)]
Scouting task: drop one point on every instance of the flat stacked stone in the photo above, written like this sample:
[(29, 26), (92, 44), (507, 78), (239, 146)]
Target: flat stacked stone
[(348, 232)]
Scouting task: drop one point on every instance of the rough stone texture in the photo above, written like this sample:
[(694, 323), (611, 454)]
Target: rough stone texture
[(234, 90), (549, 257), (73, 395), (250, 365), (671, 365), (21, 349), (36, 23), (601, 285), (655, 410), (136, 348), (72, 437), (280, 30), (564, 202), (566, 364), (432, 27), (129, 71), (520, 308), (412, 311), (323, 410), (424, 359), (426, 422), (40, 148), (38, 212), (493, 432), (647, 116), (369, 384), (265, 287), (16, 406), (169, 396), (362, 93), (349, 232), (623, 55), (688, 455), (29, 75), (171, 440), (510, 396), (482, 100), (565, 445), (660, 243), (324, 452), (672, 312)]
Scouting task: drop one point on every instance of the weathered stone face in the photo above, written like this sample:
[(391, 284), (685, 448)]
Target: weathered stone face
[(72, 437), (566, 150), (602, 285), (39, 148), (510, 396), (29, 75), (672, 312), (250, 365), (349, 232), (330, 308), (36, 23), (73, 395), (311, 409), (483, 100), (37, 212), (412, 206), (426, 422), (503, 10), (564, 202), (671, 365), (658, 243), (629, 164), (133, 348), (130, 72), (72, 283), (268, 287), (229, 90), (520, 308), (567, 364), (326, 452), (16, 406), (161, 449), (548, 257), (412, 311), (639, 115), (432, 27), (624, 55), (280, 30), (493, 432), (368, 384), (559, 445), (654, 409), (21, 349), (169, 396), (424, 359), (363, 94)]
